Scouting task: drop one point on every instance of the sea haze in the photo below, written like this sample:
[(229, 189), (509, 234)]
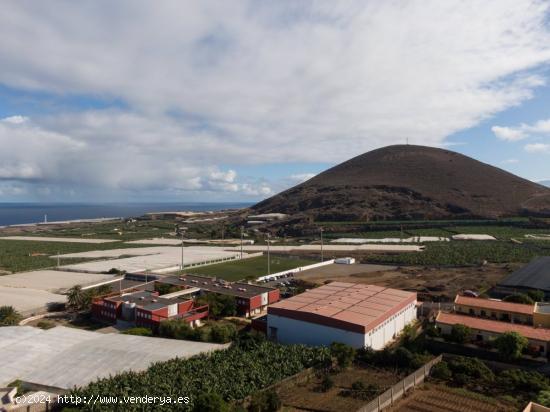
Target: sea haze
[(20, 213)]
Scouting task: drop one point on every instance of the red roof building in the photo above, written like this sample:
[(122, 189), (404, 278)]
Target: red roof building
[(356, 314), (251, 299), (147, 309)]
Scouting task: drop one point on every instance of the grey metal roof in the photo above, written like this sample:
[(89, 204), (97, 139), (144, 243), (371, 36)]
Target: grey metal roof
[(535, 275)]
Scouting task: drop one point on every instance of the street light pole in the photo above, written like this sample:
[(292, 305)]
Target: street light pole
[(322, 257), (182, 250), (268, 255), (242, 229)]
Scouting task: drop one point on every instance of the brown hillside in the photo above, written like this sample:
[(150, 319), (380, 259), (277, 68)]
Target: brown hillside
[(405, 181)]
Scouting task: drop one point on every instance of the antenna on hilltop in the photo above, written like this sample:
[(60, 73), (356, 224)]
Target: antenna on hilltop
[(407, 141)]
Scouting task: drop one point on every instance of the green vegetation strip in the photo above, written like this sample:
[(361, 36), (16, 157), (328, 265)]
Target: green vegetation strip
[(250, 268), (233, 374), (21, 255), (467, 253)]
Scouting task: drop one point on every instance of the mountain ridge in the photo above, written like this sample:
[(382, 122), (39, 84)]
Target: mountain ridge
[(411, 182)]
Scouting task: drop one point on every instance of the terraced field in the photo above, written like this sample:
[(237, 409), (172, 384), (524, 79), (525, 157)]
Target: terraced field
[(438, 398)]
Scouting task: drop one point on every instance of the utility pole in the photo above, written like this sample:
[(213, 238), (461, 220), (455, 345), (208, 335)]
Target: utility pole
[(58, 259), (242, 234), (182, 250), (322, 257), (268, 255)]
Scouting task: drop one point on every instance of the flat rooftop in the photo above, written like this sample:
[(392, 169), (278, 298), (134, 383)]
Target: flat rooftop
[(238, 289), (349, 306), (65, 357), (534, 275), (146, 300), (491, 304), (494, 326)]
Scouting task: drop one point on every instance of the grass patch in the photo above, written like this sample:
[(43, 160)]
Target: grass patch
[(253, 267)]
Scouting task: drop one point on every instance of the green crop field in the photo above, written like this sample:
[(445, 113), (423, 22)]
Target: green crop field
[(467, 253), (22, 255), (252, 267), (113, 230)]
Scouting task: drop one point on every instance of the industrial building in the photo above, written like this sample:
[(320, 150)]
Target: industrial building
[(251, 299), (148, 309), (533, 276), (355, 314)]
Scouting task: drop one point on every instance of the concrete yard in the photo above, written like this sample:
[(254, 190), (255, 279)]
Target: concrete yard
[(167, 258), (65, 357), (28, 301), (58, 239), (52, 280)]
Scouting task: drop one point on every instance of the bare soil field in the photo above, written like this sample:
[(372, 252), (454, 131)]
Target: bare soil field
[(304, 395), (429, 282), (439, 398)]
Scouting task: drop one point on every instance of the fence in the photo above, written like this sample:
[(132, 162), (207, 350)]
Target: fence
[(389, 397), (294, 270)]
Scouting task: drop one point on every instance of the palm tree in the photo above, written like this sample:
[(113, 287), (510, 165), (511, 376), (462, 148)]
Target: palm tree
[(77, 298)]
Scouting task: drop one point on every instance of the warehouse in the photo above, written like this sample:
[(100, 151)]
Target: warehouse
[(147, 309), (251, 299), (355, 314), (533, 276)]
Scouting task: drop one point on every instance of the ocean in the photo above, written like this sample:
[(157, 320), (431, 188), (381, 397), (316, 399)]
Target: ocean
[(24, 213)]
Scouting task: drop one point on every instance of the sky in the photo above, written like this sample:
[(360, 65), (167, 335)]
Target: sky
[(235, 101)]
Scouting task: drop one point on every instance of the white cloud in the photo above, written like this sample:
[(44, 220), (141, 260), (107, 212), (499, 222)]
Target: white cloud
[(537, 148), (510, 161), (508, 133), (206, 84), (540, 127), (301, 177), (14, 119)]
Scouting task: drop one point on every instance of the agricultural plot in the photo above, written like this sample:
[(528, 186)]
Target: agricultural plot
[(307, 394), (467, 253), (22, 255), (252, 267), (116, 230), (439, 398)]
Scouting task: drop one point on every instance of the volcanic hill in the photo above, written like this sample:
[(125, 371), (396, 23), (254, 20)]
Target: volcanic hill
[(411, 182)]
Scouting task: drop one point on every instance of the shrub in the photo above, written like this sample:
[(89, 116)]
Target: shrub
[(441, 371), (9, 316), (536, 295), (471, 368), (522, 380), (138, 332), (510, 345), (543, 398), (45, 324), (460, 333), (267, 401), (223, 333), (343, 353), (519, 298), (210, 402), (326, 383)]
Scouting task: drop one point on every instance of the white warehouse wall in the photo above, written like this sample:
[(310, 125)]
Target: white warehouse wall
[(291, 331), (296, 331), (388, 330)]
